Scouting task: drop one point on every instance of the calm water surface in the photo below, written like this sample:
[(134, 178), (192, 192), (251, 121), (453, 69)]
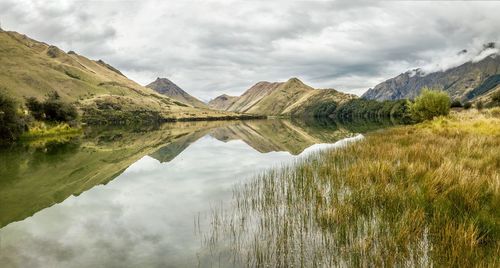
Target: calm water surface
[(138, 197)]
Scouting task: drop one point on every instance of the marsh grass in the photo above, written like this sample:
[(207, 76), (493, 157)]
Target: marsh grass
[(45, 130), (423, 195)]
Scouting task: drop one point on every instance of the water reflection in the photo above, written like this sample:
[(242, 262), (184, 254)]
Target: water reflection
[(129, 197)]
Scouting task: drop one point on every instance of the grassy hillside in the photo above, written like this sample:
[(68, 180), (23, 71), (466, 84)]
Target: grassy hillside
[(420, 196), (253, 95), (32, 68), (281, 99), (222, 102)]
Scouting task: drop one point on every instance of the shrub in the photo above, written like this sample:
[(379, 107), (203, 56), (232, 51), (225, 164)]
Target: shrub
[(429, 104), (456, 104), (35, 107), (52, 109), (479, 105), (495, 98), (467, 105), (11, 122)]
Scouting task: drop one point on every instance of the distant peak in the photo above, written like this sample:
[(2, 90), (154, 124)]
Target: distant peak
[(158, 79), (294, 81)]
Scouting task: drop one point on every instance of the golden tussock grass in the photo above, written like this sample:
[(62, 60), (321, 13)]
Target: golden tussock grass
[(422, 195)]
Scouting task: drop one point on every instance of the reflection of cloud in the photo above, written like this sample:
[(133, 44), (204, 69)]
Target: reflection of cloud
[(145, 217)]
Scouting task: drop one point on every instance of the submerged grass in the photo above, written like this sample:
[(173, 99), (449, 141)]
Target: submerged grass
[(422, 195)]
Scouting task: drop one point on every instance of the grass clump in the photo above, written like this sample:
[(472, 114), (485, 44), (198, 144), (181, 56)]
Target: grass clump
[(422, 195), (43, 129)]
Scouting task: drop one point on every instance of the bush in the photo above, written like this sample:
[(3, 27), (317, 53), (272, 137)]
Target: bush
[(467, 105), (11, 122), (495, 98), (479, 105), (52, 109), (429, 104), (456, 104), (35, 107)]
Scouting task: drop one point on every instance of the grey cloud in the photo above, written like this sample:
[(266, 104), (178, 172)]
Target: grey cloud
[(213, 47)]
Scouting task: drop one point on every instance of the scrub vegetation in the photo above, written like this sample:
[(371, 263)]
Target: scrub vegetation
[(420, 195)]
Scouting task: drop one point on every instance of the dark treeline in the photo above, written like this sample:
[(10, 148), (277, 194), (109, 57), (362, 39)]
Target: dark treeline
[(372, 109)]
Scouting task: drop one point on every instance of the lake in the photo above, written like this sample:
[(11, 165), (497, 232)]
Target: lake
[(139, 197)]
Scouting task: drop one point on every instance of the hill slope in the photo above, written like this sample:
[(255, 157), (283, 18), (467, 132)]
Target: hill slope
[(222, 102), (170, 89), (33, 68), (465, 82), (282, 98)]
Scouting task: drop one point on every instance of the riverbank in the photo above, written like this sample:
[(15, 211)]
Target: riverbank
[(420, 195)]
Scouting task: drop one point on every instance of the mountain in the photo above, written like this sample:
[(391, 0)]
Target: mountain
[(101, 92), (170, 89), (469, 81), (222, 102), (253, 95), (292, 97)]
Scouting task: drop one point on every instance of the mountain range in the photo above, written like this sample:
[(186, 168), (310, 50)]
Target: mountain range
[(292, 97), (471, 81), (33, 69)]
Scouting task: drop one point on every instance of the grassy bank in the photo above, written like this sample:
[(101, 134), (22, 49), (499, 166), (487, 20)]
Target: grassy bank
[(43, 130), (421, 195)]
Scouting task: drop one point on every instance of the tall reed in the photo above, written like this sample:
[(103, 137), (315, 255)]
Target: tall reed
[(422, 195)]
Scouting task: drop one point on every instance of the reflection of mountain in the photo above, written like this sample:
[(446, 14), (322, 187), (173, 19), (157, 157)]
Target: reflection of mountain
[(33, 178), (37, 177), (280, 135), (169, 152)]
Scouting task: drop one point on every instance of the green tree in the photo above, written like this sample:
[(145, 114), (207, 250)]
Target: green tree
[(11, 122), (429, 104), (52, 109), (35, 107)]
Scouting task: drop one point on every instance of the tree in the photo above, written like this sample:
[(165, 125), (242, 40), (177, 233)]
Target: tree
[(35, 107), (11, 123), (429, 104), (52, 109)]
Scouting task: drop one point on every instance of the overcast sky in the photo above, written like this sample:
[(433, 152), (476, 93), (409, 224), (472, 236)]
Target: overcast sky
[(224, 46)]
